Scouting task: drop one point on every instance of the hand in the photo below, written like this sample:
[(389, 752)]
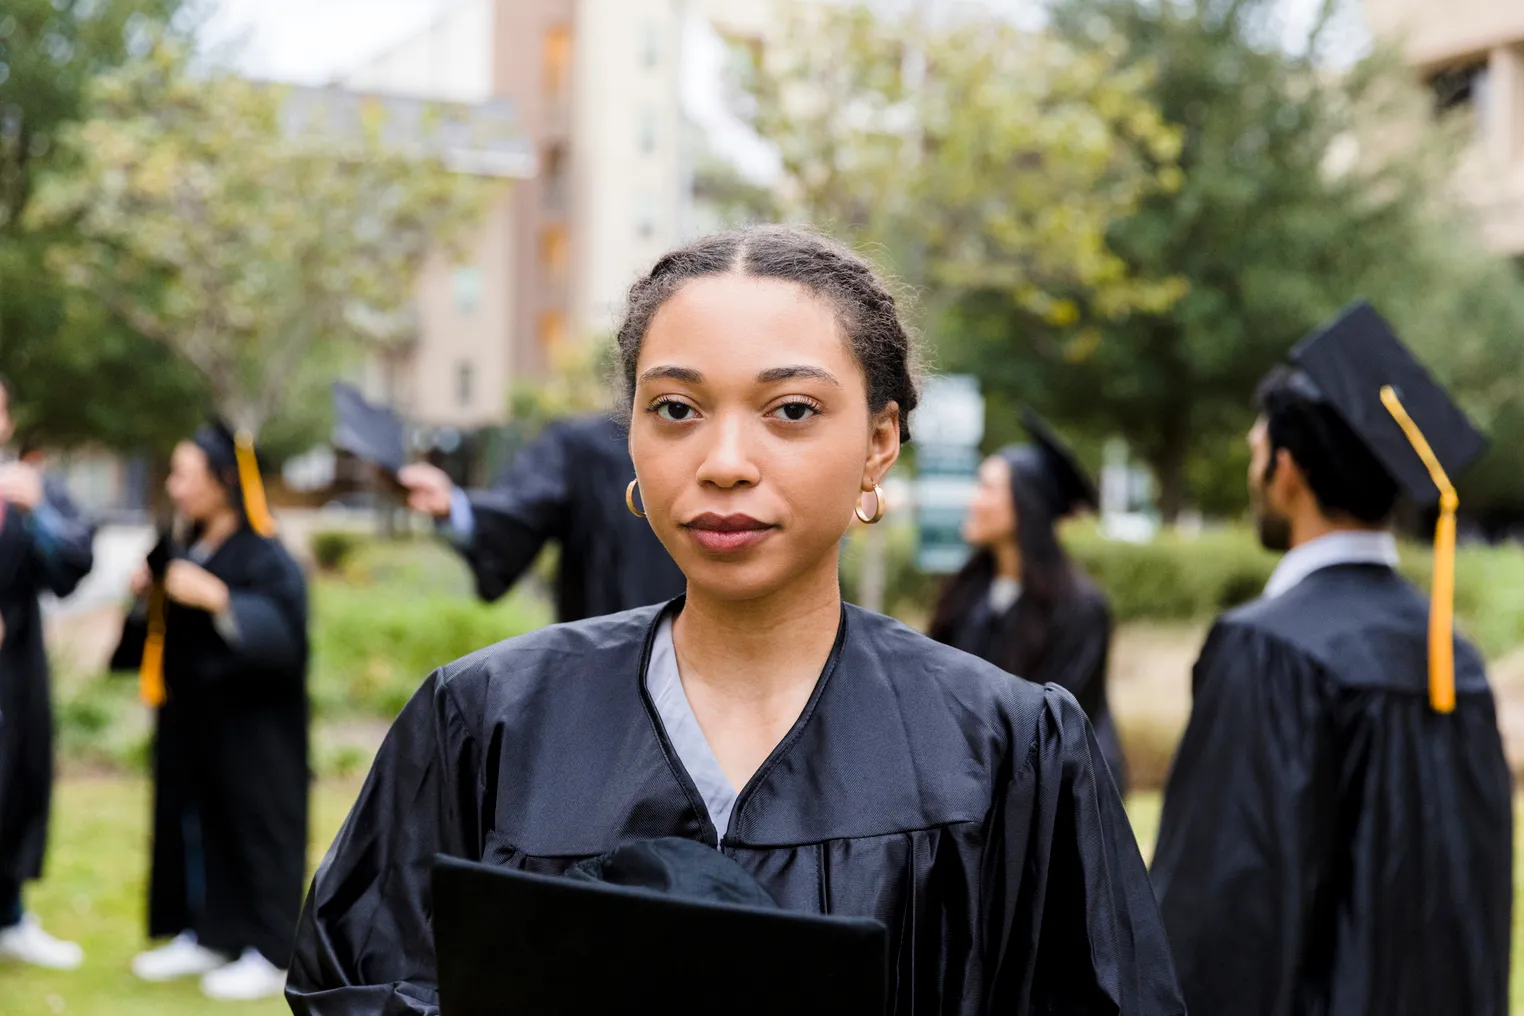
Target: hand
[(194, 586), (428, 489), (21, 485), (141, 580)]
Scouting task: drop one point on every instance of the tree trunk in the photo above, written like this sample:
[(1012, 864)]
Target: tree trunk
[(1168, 461)]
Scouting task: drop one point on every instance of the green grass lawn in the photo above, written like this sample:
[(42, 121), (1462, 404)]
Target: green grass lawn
[(95, 893)]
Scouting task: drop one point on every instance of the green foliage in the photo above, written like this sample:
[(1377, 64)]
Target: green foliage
[(258, 244), (1271, 234), (975, 155), (332, 548), (402, 609), (82, 375)]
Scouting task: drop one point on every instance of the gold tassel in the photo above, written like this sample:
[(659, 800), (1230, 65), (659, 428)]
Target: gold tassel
[(254, 507), (151, 668), (1442, 596)]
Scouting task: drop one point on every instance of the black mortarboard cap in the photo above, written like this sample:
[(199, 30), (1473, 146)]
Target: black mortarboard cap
[(370, 433), (665, 940), (1051, 469), (1351, 360)]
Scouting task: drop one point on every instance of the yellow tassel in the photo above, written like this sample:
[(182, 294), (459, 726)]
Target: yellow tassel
[(151, 668), (1442, 596), (254, 507)]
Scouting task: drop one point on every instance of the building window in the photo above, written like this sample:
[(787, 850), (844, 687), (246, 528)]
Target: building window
[(465, 377), (1465, 87), (645, 217), (553, 251), (646, 136), (553, 168), (650, 45), (557, 58), (552, 329), (466, 289)]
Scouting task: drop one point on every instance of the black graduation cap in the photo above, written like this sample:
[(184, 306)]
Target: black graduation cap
[(648, 930), (1354, 359), (370, 433), (1048, 465), (1417, 433)]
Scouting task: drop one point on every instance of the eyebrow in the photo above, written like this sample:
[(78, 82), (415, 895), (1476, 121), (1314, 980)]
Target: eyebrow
[(772, 375)]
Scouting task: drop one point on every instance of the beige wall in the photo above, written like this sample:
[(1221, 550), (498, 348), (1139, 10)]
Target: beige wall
[(465, 321), (1439, 35), (1437, 32), (450, 60)]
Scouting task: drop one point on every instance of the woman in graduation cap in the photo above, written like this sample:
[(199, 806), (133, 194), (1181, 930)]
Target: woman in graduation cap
[(1020, 602), (850, 764), (220, 645)]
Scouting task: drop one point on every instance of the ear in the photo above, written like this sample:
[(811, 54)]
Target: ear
[(883, 445), (1287, 484)]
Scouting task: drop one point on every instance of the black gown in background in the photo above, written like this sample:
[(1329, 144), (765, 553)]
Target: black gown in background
[(1075, 658), (922, 787), (230, 757), (568, 485), (34, 557), (1330, 844)]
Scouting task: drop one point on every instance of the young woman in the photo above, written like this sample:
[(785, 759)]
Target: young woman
[(220, 644), (852, 765), (1020, 602)]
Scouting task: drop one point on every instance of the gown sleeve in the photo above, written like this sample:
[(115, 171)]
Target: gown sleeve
[(1246, 841), (365, 945), (268, 617), (61, 540), (525, 508), (1079, 930)]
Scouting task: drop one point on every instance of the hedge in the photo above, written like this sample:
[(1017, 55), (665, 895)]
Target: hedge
[(1192, 579)]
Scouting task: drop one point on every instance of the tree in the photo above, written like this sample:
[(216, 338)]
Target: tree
[(254, 238), (1271, 234), (974, 155), (80, 375)]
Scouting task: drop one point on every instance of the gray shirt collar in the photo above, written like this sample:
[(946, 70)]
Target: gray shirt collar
[(1349, 547), (665, 686)]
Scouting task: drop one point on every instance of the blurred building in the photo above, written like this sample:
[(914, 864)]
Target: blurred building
[(599, 89), (1471, 52)]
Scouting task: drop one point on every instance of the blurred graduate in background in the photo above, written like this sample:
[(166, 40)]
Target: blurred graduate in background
[(219, 641), (44, 545), (1337, 831), (1020, 602), (567, 486)]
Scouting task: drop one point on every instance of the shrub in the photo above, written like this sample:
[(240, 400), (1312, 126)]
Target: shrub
[(332, 548)]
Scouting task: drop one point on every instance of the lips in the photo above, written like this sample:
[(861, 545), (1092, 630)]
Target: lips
[(727, 533)]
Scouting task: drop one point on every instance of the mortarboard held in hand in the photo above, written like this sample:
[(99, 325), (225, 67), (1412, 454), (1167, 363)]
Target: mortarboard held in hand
[(373, 434), (1417, 433)]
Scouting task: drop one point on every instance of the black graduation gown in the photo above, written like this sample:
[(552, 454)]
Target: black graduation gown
[(568, 485), (1079, 645), (920, 786), (230, 758), (32, 558), (1330, 844)]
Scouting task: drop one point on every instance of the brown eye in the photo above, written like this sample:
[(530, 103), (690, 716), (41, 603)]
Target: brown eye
[(794, 412), (674, 411)]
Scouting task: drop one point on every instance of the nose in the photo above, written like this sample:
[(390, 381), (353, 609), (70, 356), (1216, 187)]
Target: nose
[(728, 461)]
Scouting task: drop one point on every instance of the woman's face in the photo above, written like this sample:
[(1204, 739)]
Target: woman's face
[(751, 434), (191, 486), (991, 518)]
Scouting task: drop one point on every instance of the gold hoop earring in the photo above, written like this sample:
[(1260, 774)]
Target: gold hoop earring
[(878, 507), (629, 499)]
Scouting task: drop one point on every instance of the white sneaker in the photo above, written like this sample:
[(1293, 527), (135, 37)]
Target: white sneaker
[(249, 977), (182, 957), (26, 942)]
